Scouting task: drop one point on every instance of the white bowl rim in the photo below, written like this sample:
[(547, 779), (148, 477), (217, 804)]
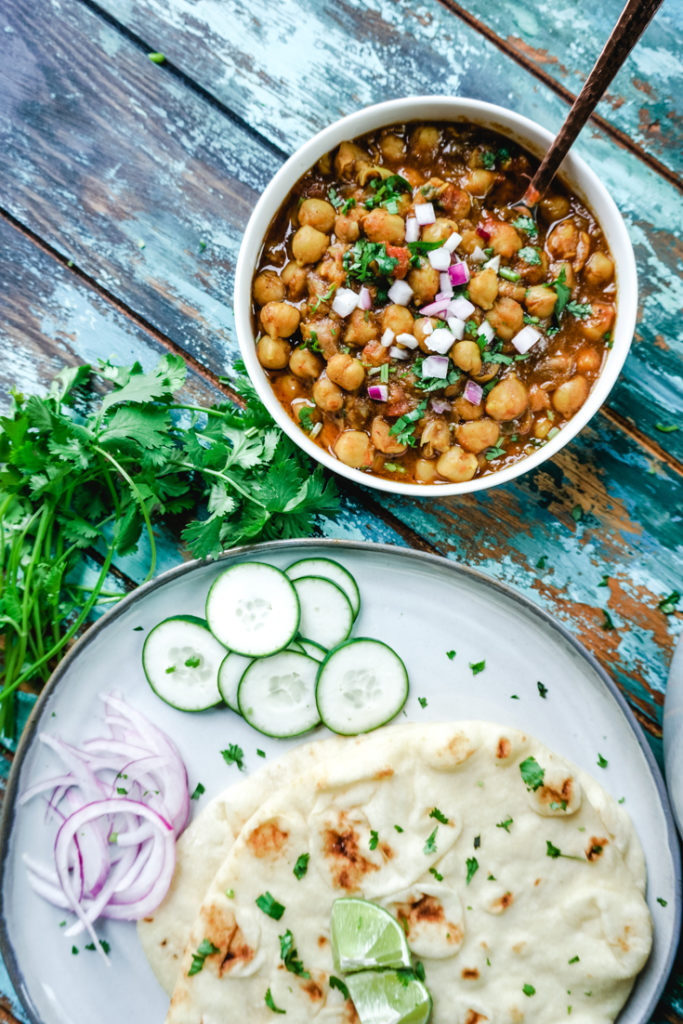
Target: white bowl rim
[(532, 136)]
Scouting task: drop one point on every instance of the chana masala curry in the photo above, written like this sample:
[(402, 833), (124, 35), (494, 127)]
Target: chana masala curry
[(414, 320)]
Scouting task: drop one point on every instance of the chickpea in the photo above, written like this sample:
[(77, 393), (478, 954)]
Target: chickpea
[(273, 353), (478, 435), (542, 427), (465, 410), (392, 146), (279, 319), (534, 273), (268, 287), (487, 373), (466, 356), (439, 231), (425, 471), (538, 398), (421, 332), (348, 155), (506, 318), (457, 465), (599, 322), (505, 240), (554, 207), (366, 172), (327, 396), (294, 279), (510, 290), (287, 388), (582, 251), (382, 226), (317, 213), (346, 227), (353, 448), (588, 360), (455, 201), (483, 288), (424, 281), (478, 182), (436, 437), (398, 319), (375, 354), (299, 404), (571, 395), (424, 142), (563, 240), (507, 400), (346, 371), (471, 239), (569, 275), (382, 438), (540, 300), (309, 244), (326, 333), (599, 269), (361, 328), (304, 363)]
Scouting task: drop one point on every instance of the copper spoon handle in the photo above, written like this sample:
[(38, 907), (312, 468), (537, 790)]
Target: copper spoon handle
[(634, 19)]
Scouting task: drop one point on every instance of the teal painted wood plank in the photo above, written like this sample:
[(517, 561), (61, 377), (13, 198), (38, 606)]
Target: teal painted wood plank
[(135, 180), (563, 41)]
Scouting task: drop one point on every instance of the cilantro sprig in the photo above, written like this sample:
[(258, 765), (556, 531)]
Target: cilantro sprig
[(359, 261), (404, 427), (95, 462), (388, 193)]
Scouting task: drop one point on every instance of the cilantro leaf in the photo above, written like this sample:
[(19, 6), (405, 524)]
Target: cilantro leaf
[(289, 956), (542, 690), (404, 427), (270, 906), (430, 845), (530, 256), (337, 983), (528, 990), (374, 839), (301, 866), (563, 293), (387, 193), (532, 773), (477, 667), (602, 761), (505, 824), (526, 224), (580, 309), (270, 1003), (234, 755), (439, 816), (668, 604), (472, 868), (359, 260), (205, 948)]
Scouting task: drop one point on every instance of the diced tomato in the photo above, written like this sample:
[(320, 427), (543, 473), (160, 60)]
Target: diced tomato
[(375, 354), (399, 403), (402, 254)]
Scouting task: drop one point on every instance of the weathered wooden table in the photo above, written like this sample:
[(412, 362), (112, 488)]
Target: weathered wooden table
[(127, 185)]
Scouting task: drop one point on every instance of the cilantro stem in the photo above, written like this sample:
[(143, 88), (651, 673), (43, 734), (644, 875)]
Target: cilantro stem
[(220, 475), (142, 504)]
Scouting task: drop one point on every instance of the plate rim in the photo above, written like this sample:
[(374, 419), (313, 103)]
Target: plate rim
[(184, 568)]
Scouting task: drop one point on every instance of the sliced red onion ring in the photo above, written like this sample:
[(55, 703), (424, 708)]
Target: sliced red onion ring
[(462, 308), (436, 308), (473, 392), (459, 274), (378, 392)]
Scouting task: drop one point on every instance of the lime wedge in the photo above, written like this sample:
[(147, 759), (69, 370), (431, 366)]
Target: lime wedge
[(386, 998), (366, 936)]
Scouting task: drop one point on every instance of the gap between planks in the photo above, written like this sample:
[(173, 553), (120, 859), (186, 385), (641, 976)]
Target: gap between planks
[(621, 422), (619, 136)]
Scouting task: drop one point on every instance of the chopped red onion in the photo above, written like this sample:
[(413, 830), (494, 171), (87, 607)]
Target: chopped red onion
[(428, 327), (345, 301), (398, 353), (400, 293), (462, 308), (435, 308), (444, 296), (412, 229), (486, 330), (526, 339), (387, 338), (424, 213), (408, 340), (440, 405), (440, 259), (457, 326), (459, 274), (473, 392), (445, 286), (452, 242), (483, 232), (435, 366), (378, 392), (478, 255), (493, 263), (364, 298), (439, 340)]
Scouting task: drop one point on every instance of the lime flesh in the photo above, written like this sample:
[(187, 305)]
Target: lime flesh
[(365, 936), (386, 998)]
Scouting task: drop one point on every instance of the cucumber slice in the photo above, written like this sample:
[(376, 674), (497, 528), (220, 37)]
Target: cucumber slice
[(231, 670), (329, 570), (312, 649), (362, 684), (253, 609), (326, 613), (180, 658), (276, 695)]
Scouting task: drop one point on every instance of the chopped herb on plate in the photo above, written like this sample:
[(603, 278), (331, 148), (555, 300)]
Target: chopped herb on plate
[(270, 906), (234, 755)]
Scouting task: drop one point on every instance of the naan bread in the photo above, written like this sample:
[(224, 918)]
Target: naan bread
[(574, 927)]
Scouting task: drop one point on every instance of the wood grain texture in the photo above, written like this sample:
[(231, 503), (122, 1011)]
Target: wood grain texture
[(96, 170), (562, 41)]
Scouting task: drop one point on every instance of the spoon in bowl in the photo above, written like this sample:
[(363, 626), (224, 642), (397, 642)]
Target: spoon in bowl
[(633, 21)]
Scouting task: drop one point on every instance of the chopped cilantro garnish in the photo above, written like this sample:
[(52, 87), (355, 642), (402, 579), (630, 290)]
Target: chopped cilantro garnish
[(477, 667), (563, 293), (374, 839), (234, 755), (528, 990), (602, 761), (387, 193), (301, 866), (542, 690), (662, 902), (230, 893), (170, 669), (604, 581), (422, 701), (334, 198), (121, 791), (198, 790), (323, 298), (306, 418), (472, 868), (580, 309), (450, 655), (260, 753), (574, 960), (577, 513), (493, 453), (205, 948), (403, 428), (312, 342), (270, 906), (558, 806), (668, 604), (525, 224), (608, 623), (337, 983), (477, 842), (555, 852), (430, 845), (289, 955), (74, 950), (509, 275), (488, 159), (530, 256), (194, 661), (270, 1003), (532, 773), (541, 563), (439, 816), (505, 824), (437, 875), (398, 828), (531, 319), (434, 383), (357, 261), (348, 205)]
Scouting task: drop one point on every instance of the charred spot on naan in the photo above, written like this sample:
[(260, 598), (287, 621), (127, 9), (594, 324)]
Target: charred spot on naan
[(470, 973), (458, 749), (313, 990), (475, 1018), (222, 931), (424, 914), (596, 848), (341, 848), (499, 905), (267, 840), (503, 749), (559, 796)]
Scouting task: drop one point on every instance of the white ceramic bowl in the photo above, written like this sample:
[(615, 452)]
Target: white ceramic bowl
[(574, 173)]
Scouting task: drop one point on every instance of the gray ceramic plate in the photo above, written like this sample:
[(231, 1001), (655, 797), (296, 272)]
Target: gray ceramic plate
[(423, 606)]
